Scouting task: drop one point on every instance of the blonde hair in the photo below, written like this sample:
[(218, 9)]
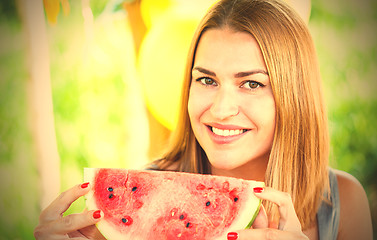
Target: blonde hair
[(299, 155)]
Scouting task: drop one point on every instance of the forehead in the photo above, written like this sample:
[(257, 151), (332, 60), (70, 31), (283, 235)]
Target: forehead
[(224, 47)]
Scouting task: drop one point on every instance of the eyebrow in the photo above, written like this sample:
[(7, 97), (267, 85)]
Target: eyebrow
[(205, 71), (236, 75)]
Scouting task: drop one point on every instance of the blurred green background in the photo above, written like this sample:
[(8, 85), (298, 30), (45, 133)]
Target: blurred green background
[(100, 118)]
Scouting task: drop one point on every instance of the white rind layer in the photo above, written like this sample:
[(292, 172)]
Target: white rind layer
[(104, 227), (250, 209), (247, 213)]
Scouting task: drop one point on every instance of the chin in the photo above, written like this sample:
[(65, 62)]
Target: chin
[(225, 163)]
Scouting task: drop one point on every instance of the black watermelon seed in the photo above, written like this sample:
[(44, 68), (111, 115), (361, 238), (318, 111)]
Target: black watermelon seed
[(236, 199), (110, 189), (111, 196), (208, 203), (188, 224), (127, 220), (134, 189), (182, 217)]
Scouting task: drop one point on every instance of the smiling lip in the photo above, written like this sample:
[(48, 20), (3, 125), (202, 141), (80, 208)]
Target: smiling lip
[(222, 134)]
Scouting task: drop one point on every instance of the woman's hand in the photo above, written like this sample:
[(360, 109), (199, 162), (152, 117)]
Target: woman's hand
[(52, 224), (289, 226)]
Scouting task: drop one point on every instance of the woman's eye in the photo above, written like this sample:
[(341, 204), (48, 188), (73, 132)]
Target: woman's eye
[(252, 85), (207, 81)]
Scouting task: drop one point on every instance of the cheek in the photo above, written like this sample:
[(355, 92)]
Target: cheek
[(262, 113), (196, 105), (193, 110), (190, 106), (269, 120)]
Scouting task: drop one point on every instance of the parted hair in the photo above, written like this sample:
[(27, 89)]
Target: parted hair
[(299, 155)]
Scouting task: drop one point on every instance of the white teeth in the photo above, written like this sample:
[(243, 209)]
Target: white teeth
[(227, 132)]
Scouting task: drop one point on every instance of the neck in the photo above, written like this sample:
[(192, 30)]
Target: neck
[(253, 170)]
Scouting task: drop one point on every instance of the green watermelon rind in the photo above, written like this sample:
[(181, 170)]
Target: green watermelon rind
[(243, 217), (254, 216), (103, 226)]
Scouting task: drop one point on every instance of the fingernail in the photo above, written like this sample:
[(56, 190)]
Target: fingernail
[(258, 189), (232, 236), (97, 214), (85, 185)]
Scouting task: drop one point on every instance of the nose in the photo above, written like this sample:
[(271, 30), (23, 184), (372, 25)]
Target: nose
[(224, 104)]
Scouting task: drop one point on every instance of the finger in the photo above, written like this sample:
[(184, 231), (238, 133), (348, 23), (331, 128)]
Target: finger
[(75, 234), (288, 218), (92, 232), (63, 202), (69, 225), (74, 222), (44, 232), (268, 233), (261, 221)]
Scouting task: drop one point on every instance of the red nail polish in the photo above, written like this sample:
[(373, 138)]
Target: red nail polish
[(85, 185), (258, 189), (232, 236), (97, 214)]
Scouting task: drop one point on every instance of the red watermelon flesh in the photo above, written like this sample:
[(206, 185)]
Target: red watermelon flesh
[(167, 205)]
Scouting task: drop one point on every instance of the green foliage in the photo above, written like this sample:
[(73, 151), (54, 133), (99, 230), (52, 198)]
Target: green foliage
[(98, 6), (19, 185), (8, 11), (354, 142), (354, 138)]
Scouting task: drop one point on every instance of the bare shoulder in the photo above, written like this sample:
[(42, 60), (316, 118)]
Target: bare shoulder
[(348, 183), (355, 217)]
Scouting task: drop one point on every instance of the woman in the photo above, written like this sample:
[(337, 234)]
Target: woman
[(252, 108)]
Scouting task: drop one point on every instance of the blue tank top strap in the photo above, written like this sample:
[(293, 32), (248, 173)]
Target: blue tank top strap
[(329, 212)]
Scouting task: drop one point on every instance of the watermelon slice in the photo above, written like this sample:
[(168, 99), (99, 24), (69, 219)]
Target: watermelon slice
[(167, 205)]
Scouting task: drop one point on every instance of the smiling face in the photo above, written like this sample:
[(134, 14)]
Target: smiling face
[(231, 105)]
